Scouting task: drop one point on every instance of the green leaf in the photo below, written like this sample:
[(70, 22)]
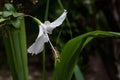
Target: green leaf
[(9, 7), (71, 52), (1, 13), (16, 22), (78, 73), (16, 14), (6, 13), (2, 19)]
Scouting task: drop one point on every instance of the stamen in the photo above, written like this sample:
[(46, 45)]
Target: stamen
[(53, 49), (52, 46)]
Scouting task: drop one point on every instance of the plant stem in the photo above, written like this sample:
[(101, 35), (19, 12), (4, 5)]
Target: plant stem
[(44, 71), (47, 9), (45, 18), (68, 23), (15, 44)]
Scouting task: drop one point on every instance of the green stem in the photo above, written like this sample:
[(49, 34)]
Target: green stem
[(44, 70), (68, 23), (47, 9), (10, 53), (46, 16), (57, 40), (60, 3), (15, 44)]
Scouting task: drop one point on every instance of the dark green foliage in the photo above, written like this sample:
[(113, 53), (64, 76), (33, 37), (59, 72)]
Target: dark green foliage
[(71, 52)]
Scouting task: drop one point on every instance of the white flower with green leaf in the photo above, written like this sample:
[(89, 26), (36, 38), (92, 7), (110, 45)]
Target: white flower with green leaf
[(45, 29)]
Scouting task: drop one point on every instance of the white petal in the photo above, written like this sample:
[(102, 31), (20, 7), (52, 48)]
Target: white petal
[(38, 45), (56, 23), (40, 31), (60, 20)]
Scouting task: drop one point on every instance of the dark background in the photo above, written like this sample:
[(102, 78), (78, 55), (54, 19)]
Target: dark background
[(100, 59)]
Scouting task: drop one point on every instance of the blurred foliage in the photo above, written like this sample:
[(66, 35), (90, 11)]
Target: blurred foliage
[(83, 15)]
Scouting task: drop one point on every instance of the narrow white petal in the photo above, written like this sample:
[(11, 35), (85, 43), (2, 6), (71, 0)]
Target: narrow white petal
[(60, 20), (38, 45), (56, 23)]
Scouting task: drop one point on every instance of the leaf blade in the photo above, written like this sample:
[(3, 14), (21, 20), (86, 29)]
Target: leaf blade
[(71, 52)]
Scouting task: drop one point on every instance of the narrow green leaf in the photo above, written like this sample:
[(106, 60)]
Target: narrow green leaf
[(78, 73), (10, 53), (23, 47), (71, 52), (17, 49)]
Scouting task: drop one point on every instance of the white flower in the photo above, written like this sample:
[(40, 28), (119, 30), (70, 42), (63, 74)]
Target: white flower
[(44, 30)]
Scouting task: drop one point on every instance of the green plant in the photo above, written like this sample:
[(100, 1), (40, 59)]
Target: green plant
[(14, 37), (71, 52)]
